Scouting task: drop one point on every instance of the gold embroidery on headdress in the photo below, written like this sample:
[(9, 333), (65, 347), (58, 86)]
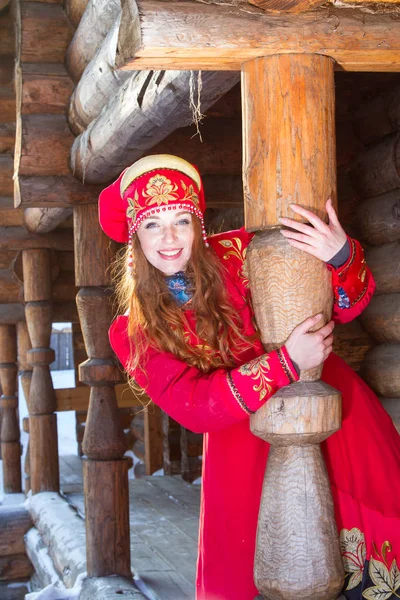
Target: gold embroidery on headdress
[(160, 190), (133, 207)]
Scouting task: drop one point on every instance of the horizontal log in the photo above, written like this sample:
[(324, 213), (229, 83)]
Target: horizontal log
[(94, 25), (289, 6), (377, 169), (7, 137), (9, 216), (45, 145), (10, 287), (14, 523), (392, 406), (7, 257), (18, 238), (6, 175), (15, 568), (384, 262), (7, 64), (7, 104), (75, 10), (190, 35), (53, 192), (45, 32), (45, 89), (100, 81), (145, 111), (7, 40), (77, 399), (352, 342), (378, 219), (43, 220), (381, 371), (381, 318), (11, 313)]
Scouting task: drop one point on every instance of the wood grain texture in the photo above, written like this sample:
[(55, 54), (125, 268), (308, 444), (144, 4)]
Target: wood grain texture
[(287, 6), (53, 191), (42, 422), (75, 10), (10, 434), (43, 220), (40, 22), (129, 127), (297, 537), (14, 523), (16, 567), (352, 341), (290, 157), (93, 27), (297, 287), (189, 35), (299, 155), (46, 88), (107, 521), (379, 218), (380, 370), (381, 318)]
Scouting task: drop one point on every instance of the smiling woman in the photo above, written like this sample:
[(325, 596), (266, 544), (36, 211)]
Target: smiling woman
[(188, 338), (166, 240)]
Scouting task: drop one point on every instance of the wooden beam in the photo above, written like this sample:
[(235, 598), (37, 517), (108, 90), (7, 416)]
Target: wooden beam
[(192, 35), (384, 262), (9, 216), (94, 25), (45, 89), (6, 175), (63, 191), (43, 220), (143, 113), (378, 219), (381, 318), (45, 32), (18, 238), (77, 398), (289, 6), (75, 10), (100, 81), (7, 137)]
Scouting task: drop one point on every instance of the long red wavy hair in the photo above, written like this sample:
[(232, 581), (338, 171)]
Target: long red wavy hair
[(156, 321)]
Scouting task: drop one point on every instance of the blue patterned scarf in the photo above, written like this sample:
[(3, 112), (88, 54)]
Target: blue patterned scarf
[(179, 284)]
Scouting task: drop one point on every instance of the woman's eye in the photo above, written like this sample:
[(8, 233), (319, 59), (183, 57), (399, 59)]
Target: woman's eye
[(150, 225), (184, 222)]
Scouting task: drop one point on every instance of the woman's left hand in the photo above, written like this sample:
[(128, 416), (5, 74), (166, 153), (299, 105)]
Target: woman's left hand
[(319, 239)]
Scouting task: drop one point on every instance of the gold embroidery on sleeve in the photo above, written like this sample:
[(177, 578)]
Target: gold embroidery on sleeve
[(257, 369)]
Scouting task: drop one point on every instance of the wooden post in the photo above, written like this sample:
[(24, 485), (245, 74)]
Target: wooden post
[(289, 156), (41, 403), (105, 472), (10, 434), (25, 373)]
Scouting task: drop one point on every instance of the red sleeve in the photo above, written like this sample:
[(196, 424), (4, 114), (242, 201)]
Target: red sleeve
[(205, 402), (353, 285)]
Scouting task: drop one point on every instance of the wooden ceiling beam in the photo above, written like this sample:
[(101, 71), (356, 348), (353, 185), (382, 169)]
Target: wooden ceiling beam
[(143, 113), (18, 238), (155, 34), (94, 25), (100, 81), (43, 220), (52, 192)]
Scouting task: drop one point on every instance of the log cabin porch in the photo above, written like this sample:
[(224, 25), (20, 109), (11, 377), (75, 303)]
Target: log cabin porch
[(74, 112)]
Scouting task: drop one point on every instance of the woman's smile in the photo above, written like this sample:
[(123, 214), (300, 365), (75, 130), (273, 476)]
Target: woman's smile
[(166, 240)]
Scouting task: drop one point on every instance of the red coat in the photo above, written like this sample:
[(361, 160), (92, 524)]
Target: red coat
[(362, 458)]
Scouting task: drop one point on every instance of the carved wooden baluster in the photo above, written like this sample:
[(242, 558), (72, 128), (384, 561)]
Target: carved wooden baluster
[(10, 434), (25, 373), (289, 156), (41, 403), (105, 472)]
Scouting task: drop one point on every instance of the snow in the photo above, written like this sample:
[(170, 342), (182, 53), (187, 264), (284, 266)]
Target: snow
[(53, 592)]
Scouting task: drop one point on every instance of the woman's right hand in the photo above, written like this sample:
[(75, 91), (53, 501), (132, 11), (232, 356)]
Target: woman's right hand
[(310, 349)]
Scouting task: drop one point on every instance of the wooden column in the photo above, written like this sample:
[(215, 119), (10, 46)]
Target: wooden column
[(105, 471), (25, 373), (289, 157), (10, 434), (41, 404)]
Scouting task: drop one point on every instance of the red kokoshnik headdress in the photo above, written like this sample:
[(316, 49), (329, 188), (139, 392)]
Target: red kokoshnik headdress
[(150, 186)]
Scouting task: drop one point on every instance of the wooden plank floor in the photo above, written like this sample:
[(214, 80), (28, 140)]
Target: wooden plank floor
[(164, 518)]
